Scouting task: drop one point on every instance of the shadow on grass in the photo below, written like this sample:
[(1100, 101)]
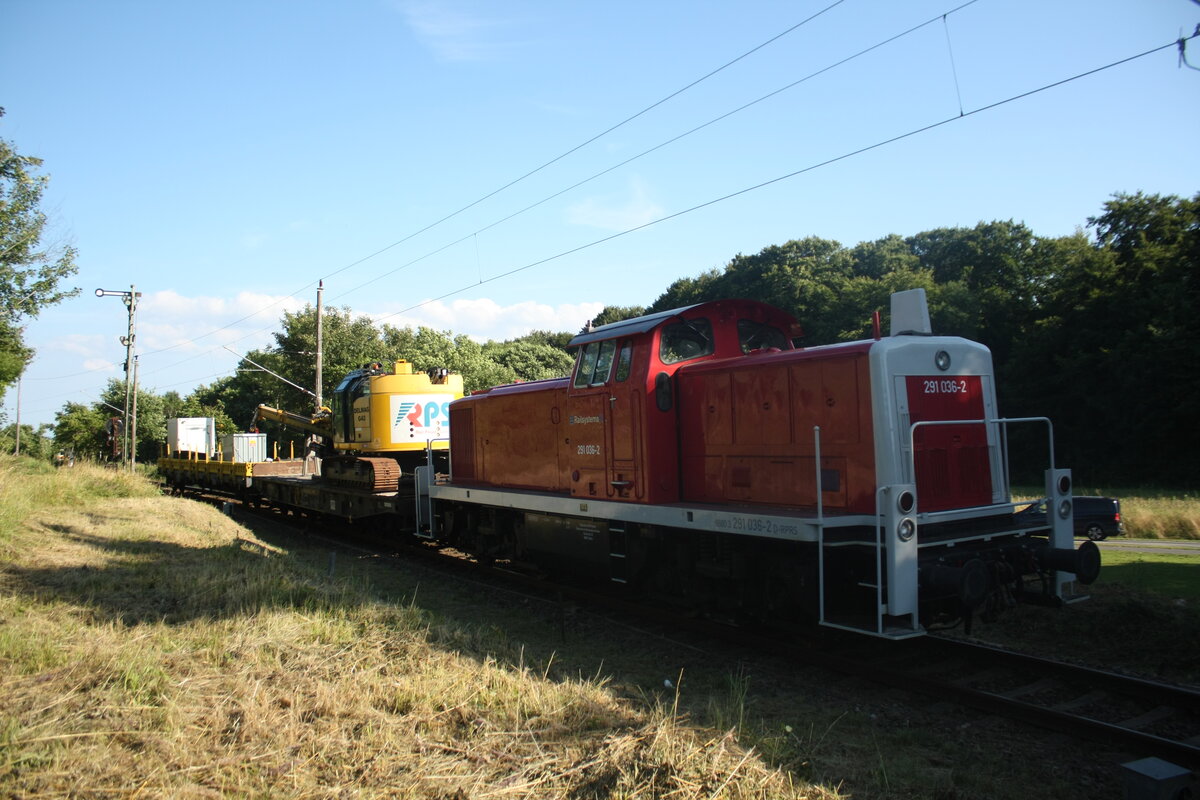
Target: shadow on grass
[(150, 581), (1175, 581)]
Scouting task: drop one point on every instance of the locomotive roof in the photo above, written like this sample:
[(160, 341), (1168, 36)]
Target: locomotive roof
[(629, 327)]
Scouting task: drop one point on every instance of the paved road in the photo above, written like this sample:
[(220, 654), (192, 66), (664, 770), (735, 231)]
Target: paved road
[(1165, 546)]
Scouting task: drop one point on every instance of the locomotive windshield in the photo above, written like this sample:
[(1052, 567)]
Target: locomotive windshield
[(685, 340), (595, 363), (759, 336)]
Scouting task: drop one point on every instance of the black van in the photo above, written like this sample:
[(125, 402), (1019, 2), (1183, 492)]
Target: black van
[(1097, 518)]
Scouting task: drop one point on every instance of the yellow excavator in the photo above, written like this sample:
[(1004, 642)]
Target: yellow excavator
[(378, 424)]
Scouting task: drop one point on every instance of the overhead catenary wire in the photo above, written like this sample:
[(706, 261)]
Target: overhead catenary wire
[(666, 143), (793, 174), (515, 181)]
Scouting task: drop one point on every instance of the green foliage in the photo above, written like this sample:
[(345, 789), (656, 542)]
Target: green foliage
[(29, 273), (559, 340), (35, 443), (530, 361), (611, 314), (80, 428), (1112, 353)]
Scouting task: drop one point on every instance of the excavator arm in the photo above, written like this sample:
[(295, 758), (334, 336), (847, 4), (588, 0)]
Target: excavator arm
[(320, 424)]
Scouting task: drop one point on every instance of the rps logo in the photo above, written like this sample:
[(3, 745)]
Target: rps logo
[(420, 418)]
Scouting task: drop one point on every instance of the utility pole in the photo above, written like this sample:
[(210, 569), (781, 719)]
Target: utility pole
[(133, 425), (320, 350), (17, 452), (130, 299)]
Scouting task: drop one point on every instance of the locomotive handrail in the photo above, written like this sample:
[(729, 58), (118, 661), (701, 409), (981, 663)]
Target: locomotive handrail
[(880, 524), (820, 526), (423, 504), (449, 453)]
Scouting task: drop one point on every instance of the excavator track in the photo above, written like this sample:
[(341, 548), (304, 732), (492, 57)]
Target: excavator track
[(367, 474)]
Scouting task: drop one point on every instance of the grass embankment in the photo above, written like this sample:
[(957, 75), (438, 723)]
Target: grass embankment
[(150, 646)]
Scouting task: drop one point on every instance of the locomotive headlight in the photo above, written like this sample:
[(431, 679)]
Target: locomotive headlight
[(942, 360), (906, 529), (1064, 509)]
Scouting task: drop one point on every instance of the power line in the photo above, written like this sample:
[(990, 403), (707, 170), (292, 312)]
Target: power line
[(528, 174), (595, 138), (810, 168), (671, 141)]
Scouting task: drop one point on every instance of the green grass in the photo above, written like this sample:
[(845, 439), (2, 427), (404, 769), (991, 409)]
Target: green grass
[(1171, 575)]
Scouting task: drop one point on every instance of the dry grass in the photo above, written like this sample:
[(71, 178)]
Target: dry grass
[(1161, 515), (152, 647)]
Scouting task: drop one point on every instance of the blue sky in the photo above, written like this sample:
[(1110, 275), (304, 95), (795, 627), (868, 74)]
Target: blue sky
[(225, 156)]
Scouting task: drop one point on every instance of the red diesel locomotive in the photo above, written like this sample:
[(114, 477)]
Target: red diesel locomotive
[(695, 456)]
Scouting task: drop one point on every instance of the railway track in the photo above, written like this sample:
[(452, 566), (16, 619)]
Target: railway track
[(1127, 714), (1123, 713)]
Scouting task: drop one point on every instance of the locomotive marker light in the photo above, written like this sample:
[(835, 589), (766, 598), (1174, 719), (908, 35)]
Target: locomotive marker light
[(942, 360), (901, 553), (1069, 564)]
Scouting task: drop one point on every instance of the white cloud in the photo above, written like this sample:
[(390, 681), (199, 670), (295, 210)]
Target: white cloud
[(453, 34), (617, 214), (253, 241), (169, 320), (84, 344), (99, 365), (484, 319)]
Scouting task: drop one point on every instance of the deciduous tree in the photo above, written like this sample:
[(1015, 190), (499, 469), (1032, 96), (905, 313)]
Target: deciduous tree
[(30, 269)]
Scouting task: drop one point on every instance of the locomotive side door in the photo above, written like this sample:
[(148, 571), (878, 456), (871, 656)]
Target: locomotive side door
[(587, 420), (604, 423), (624, 428)]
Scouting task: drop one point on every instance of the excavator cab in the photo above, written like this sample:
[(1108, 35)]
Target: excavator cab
[(351, 406)]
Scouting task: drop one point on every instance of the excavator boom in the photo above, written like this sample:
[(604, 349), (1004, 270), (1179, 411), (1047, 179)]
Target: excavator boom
[(319, 424)]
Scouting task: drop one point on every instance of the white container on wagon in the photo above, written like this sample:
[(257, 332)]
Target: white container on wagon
[(192, 435)]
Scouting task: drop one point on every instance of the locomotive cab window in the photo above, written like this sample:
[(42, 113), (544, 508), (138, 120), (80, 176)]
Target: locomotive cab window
[(595, 364), (685, 340), (624, 360), (760, 336)]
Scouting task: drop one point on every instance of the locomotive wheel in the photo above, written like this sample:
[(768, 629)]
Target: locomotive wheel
[(1096, 533)]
